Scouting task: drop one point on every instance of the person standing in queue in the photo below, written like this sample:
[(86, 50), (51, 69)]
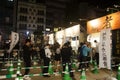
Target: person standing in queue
[(86, 51), (27, 58), (96, 51), (46, 59), (80, 48), (66, 54), (57, 58)]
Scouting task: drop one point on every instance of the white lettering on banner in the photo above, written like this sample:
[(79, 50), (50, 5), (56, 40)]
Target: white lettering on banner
[(105, 49), (14, 40)]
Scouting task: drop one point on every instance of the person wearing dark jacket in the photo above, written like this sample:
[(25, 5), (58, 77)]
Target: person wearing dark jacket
[(27, 57), (66, 54)]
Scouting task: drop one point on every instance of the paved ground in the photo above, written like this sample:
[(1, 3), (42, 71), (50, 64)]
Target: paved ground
[(102, 75)]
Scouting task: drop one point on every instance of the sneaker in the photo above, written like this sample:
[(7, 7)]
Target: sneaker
[(57, 74), (26, 77)]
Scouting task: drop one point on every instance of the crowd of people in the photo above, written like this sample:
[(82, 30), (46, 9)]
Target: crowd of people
[(86, 52), (58, 55), (61, 55)]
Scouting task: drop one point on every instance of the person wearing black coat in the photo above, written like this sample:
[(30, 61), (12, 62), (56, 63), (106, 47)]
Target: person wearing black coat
[(27, 55), (66, 54)]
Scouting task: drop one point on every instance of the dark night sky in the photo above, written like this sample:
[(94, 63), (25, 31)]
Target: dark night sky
[(98, 3), (75, 10)]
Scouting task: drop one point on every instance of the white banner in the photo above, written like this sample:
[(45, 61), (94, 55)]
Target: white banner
[(0, 38), (32, 38), (14, 40), (105, 49)]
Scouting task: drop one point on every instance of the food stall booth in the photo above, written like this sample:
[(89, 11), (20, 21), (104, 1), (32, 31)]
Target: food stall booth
[(106, 30)]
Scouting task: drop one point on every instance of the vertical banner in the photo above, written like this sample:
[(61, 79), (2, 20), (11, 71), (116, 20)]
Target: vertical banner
[(0, 38), (14, 40), (105, 49), (32, 38), (116, 43)]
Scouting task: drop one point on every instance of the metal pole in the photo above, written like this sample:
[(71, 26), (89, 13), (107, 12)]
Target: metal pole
[(15, 15), (16, 26), (44, 27)]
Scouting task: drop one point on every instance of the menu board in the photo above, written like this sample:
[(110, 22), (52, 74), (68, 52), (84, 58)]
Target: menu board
[(116, 43)]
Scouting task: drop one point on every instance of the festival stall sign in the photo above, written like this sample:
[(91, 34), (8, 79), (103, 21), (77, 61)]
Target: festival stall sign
[(116, 42), (105, 48), (96, 25), (14, 41), (32, 36), (0, 38), (51, 38), (60, 35), (92, 37), (72, 34), (73, 31)]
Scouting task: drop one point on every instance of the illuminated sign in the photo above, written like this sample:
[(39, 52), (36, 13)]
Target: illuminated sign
[(98, 24)]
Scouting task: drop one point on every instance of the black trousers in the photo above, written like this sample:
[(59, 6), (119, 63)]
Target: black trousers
[(97, 58), (69, 67), (27, 63), (82, 64), (46, 62)]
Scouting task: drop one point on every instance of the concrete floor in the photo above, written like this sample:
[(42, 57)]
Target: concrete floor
[(102, 75)]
